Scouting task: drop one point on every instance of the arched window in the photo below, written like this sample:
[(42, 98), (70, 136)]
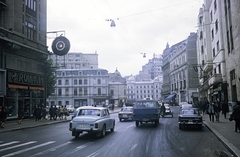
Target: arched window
[(99, 81)]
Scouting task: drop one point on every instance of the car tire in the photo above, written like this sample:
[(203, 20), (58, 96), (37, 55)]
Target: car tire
[(156, 123), (180, 126), (120, 119), (137, 123), (76, 134), (103, 132), (112, 129)]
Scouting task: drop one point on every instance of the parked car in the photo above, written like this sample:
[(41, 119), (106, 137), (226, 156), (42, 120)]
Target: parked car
[(145, 111), (190, 117), (168, 110), (126, 113), (182, 103), (92, 120), (186, 106)]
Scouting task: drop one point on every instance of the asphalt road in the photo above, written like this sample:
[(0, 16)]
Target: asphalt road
[(166, 140)]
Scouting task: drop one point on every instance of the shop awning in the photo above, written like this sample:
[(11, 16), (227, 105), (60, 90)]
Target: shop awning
[(170, 96)]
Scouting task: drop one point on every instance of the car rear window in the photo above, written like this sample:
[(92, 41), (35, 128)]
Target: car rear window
[(149, 104), (127, 109), (93, 112)]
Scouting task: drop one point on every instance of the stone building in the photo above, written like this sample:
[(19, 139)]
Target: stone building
[(23, 52), (218, 50), (80, 87), (117, 89), (180, 80)]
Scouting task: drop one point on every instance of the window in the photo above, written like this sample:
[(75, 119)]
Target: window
[(232, 75), (85, 91), (214, 53), (111, 92), (66, 82), (75, 82), (202, 49), (80, 82), (85, 81), (99, 91), (99, 81), (80, 91), (212, 34), (216, 25), (67, 91), (219, 68), (75, 92), (201, 34), (215, 5), (31, 30), (31, 4), (231, 38), (211, 16), (60, 92), (59, 82), (218, 46)]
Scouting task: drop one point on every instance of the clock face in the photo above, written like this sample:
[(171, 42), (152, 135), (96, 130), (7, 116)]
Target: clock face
[(60, 46)]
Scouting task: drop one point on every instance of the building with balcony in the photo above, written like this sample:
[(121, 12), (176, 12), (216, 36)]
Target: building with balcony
[(217, 55), (23, 53), (180, 80)]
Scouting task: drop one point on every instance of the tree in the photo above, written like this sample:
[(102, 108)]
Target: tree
[(51, 78)]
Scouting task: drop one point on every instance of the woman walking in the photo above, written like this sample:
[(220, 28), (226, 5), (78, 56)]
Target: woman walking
[(20, 115), (210, 111)]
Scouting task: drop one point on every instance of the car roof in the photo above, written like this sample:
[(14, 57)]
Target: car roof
[(127, 107), (91, 107)]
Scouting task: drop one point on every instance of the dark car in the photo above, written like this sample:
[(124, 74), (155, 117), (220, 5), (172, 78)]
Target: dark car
[(190, 117), (146, 111), (168, 110), (126, 113)]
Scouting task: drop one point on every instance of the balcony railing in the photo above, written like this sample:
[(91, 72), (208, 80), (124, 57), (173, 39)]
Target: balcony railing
[(216, 78), (207, 67)]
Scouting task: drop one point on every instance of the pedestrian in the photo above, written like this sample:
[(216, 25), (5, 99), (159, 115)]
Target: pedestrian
[(37, 113), (65, 112), (61, 113), (55, 111), (217, 106), (44, 114), (20, 115), (236, 116), (225, 109), (210, 111), (51, 113), (163, 109), (3, 116)]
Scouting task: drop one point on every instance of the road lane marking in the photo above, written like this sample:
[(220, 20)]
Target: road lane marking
[(24, 144), (50, 150), (99, 151), (76, 149), (27, 149), (9, 143), (133, 147)]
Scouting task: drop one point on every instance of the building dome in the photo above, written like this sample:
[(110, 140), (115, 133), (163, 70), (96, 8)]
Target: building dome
[(117, 73), (131, 78)]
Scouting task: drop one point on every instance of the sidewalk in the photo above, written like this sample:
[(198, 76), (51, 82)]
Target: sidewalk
[(11, 125), (225, 131)]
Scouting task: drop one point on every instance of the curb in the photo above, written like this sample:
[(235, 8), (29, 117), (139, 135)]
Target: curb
[(229, 145)]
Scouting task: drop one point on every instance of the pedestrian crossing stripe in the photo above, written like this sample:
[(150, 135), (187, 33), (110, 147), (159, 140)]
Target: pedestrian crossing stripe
[(27, 149), (20, 145), (6, 144)]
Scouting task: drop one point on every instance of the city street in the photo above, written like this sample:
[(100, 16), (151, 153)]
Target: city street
[(127, 141)]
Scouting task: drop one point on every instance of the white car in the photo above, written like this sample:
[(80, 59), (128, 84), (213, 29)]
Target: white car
[(92, 120)]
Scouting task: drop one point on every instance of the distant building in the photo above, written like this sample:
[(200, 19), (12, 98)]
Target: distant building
[(140, 90), (80, 87), (76, 60), (180, 80), (117, 89)]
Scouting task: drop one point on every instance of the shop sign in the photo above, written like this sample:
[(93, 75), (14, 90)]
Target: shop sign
[(25, 78)]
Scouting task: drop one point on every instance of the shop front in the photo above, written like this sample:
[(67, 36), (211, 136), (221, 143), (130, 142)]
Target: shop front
[(24, 90)]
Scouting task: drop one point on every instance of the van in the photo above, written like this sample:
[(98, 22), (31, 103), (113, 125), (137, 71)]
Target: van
[(145, 111)]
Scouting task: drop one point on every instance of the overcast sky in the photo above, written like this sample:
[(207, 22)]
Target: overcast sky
[(142, 26)]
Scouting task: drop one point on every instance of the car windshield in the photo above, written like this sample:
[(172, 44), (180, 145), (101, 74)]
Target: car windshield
[(188, 112), (127, 109), (92, 112)]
